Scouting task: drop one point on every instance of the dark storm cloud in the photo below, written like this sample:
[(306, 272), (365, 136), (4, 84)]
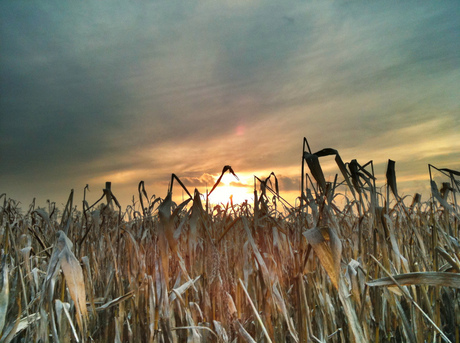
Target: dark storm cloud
[(61, 101), (65, 89)]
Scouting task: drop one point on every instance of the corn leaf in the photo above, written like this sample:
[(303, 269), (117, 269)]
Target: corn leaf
[(420, 278)]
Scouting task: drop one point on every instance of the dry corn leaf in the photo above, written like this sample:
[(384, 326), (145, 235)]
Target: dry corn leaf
[(341, 165), (164, 213), (73, 274), (116, 301), (96, 220), (244, 333), (352, 277), (327, 246), (279, 300), (231, 305), (451, 171), (220, 331), (256, 313), (204, 328), (117, 331), (260, 261), (142, 192), (354, 324), (344, 172), (181, 289), (315, 169), (195, 337), (391, 178), (4, 293), (25, 322), (58, 305), (85, 261), (437, 195), (394, 245), (64, 307), (197, 212), (354, 166), (420, 278), (44, 216), (151, 308), (396, 290), (452, 260), (408, 332), (408, 296)]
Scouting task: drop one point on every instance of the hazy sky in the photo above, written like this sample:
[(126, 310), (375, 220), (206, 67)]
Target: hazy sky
[(125, 91)]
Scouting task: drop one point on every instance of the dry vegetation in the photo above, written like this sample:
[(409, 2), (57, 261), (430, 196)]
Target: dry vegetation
[(375, 270)]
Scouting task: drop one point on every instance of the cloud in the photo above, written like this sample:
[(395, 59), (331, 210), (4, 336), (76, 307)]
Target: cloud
[(240, 184), (134, 92), (203, 181), (289, 183)]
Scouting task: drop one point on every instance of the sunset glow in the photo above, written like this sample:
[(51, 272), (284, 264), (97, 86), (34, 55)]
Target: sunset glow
[(230, 187)]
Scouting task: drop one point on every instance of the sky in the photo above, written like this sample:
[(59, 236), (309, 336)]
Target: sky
[(125, 91)]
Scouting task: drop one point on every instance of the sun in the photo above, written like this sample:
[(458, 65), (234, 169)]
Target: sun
[(230, 187)]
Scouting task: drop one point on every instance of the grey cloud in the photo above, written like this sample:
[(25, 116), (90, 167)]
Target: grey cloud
[(88, 88), (56, 105), (287, 183), (205, 180)]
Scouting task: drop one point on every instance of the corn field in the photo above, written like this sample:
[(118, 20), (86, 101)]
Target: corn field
[(376, 269)]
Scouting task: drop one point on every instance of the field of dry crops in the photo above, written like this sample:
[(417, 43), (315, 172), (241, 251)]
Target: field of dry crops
[(373, 270)]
